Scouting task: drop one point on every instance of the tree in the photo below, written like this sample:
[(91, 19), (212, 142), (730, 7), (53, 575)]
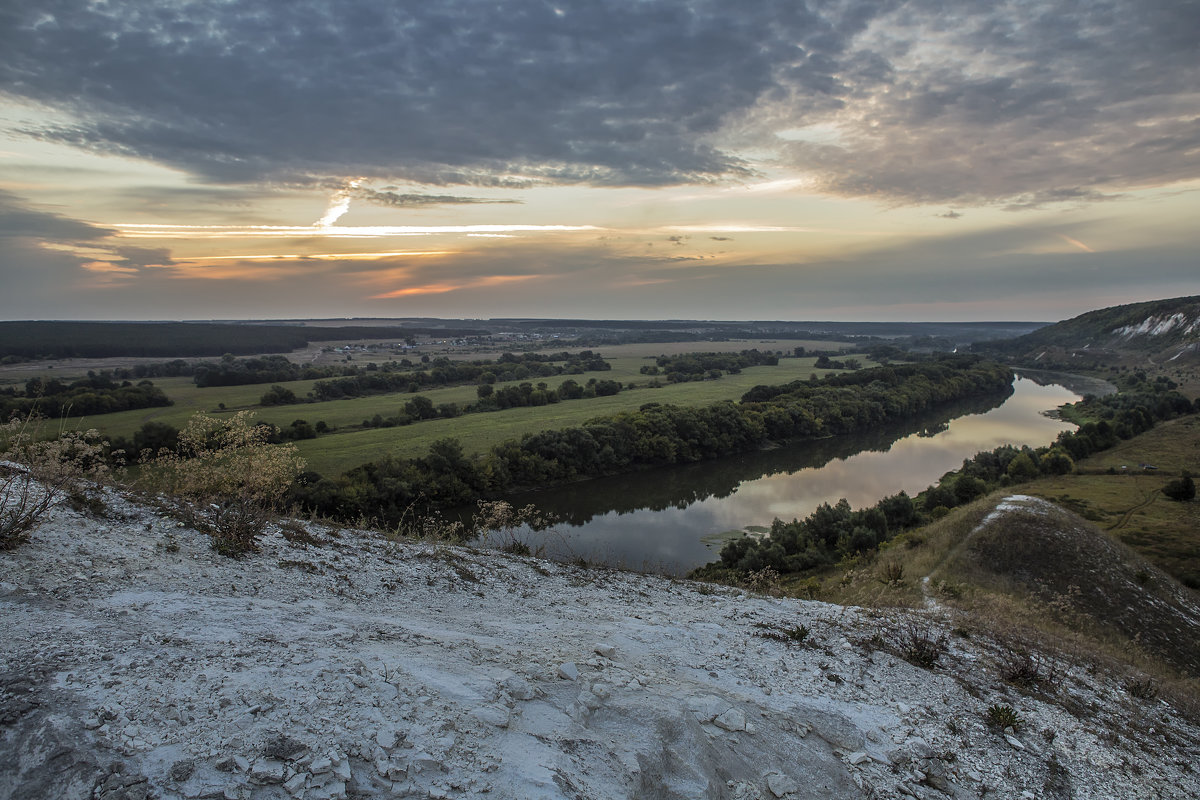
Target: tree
[(277, 396), (1022, 468), (1181, 489)]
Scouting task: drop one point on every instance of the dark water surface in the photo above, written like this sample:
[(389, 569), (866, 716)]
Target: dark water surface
[(670, 520)]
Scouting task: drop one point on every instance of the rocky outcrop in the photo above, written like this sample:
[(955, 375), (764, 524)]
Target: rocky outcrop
[(138, 664)]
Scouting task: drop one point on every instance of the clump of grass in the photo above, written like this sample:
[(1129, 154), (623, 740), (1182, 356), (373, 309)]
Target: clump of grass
[(297, 534), (921, 647), (795, 634), (1003, 716), (892, 573), (87, 501), (1026, 669)]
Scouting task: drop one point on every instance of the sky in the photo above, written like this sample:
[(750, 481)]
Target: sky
[(612, 159)]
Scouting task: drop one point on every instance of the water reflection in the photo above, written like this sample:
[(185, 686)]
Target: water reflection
[(659, 520)]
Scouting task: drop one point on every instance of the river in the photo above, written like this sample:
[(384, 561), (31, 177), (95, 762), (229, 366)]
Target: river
[(673, 519)]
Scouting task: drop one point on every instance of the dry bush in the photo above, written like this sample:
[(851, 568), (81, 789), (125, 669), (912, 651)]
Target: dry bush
[(225, 478), (36, 473), (1027, 668), (763, 581), (499, 522), (921, 646)]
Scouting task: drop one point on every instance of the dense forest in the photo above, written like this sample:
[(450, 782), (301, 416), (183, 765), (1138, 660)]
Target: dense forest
[(46, 340), (655, 435)]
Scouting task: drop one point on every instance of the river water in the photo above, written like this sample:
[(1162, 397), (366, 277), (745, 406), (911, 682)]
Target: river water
[(673, 519)]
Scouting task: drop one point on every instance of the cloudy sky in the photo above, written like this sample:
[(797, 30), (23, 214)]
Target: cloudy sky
[(721, 159)]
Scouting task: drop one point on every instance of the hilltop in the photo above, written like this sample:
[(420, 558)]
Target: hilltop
[(1163, 332), (335, 663)]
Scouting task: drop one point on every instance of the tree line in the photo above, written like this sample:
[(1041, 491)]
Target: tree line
[(832, 533), (98, 393), (701, 366), (654, 435), (44, 340), (444, 372)]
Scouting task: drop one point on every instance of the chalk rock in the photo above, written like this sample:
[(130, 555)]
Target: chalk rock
[(491, 715), (781, 785), (731, 720), (295, 784), (518, 688), (266, 771), (606, 650), (568, 671)]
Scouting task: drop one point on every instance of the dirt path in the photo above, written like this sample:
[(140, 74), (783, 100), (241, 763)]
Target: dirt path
[(1150, 498)]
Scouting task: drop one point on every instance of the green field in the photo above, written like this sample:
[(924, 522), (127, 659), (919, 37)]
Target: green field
[(349, 445), (477, 432), (1130, 504)]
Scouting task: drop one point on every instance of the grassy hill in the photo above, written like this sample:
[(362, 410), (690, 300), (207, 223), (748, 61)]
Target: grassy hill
[(1158, 332)]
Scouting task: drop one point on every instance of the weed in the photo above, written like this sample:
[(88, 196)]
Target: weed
[(1143, 688), (810, 588), (1026, 669), (892, 573), (516, 547), (763, 581), (795, 633), (297, 534), (1003, 716), (921, 647), (499, 519)]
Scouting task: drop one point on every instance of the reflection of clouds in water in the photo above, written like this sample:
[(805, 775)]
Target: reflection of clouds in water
[(911, 464), (657, 540)]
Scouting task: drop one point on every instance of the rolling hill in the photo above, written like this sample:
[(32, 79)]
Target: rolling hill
[(1159, 332)]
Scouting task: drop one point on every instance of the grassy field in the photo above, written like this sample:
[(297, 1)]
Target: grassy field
[(338, 452), (1130, 504), (349, 444)]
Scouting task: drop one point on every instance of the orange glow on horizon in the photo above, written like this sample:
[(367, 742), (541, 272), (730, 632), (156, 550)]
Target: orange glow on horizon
[(451, 286)]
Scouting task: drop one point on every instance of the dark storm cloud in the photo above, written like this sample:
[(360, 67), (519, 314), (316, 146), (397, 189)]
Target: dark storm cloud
[(618, 92), (971, 102)]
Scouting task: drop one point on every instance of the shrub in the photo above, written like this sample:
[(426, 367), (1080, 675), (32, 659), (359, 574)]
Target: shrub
[(1003, 716), (1143, 688), (225, 478), (1181, 489), (921, 647), (892, 573), (35, 475), (1026, 669)]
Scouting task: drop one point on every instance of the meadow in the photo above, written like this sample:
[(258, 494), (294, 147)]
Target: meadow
[(348, 444)]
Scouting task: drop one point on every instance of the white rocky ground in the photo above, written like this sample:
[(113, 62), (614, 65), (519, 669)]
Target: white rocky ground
[(137, 663)]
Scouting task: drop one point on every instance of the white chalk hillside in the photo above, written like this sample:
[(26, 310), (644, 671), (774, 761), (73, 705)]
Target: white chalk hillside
[(137, 663)]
